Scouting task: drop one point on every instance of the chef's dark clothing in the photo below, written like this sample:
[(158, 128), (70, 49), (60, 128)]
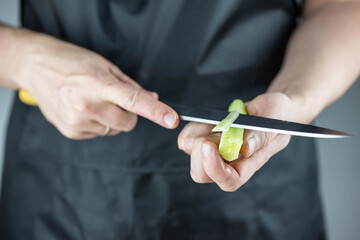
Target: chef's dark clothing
[(137, 185)]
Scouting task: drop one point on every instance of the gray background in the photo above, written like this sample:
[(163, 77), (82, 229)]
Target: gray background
[(339, 159)]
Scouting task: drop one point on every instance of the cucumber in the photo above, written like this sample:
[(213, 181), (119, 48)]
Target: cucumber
[(225, 124), (230, 143), (231, 138)]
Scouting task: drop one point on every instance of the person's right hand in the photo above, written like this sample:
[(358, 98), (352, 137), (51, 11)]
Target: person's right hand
[(80, 92)]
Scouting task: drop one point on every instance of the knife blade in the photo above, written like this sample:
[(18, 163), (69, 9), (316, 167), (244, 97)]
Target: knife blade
[(213, 116)]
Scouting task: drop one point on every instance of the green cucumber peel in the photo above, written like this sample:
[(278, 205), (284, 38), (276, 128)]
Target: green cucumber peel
[(225, 124), (231, 138), (236, 107)]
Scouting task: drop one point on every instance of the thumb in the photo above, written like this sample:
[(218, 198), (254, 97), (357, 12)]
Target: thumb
[(255, 140)]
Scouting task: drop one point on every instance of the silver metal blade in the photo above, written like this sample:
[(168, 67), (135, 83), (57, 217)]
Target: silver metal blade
[(211, 116)]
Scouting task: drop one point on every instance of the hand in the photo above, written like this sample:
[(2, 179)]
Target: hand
[(80, 92), (201, 144)]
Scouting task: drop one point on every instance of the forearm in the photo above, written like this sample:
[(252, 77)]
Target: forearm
[(322, 59), (8, 57)]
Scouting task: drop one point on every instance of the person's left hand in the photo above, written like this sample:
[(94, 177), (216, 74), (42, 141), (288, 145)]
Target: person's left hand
[(207, 166)]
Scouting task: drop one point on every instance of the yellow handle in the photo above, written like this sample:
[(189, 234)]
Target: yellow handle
[(27, 98)]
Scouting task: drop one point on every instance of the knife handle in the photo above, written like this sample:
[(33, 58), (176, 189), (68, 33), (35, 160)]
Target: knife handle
[(27, 98)]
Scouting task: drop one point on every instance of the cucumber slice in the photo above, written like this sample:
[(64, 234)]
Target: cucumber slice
[(225, 124), (230, 143), (231, 138), (237, 106)]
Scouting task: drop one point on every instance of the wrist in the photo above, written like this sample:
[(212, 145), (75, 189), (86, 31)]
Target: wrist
[(7, 58), (15, 43), (22, 42)]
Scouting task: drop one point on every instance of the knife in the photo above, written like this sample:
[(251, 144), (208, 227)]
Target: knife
[(213, 116)]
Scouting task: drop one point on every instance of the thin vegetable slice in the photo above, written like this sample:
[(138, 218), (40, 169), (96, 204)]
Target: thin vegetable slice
[(231, 139), (236, 107), (225, 124)]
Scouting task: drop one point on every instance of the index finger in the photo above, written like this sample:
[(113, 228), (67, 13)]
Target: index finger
[(223, 174), (140, 102)]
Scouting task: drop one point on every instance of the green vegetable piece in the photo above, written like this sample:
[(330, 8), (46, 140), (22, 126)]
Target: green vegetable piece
[(225, 124), (230, 143), (236, 107), (232, 138)]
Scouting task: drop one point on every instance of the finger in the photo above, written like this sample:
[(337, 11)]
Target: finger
[(82, 136), (154, 95), (246, 167), (114, 132), (255, 140), (76, 134), (126, 79), (197, 171), (64, 128), (193, 131), (141, 103), (100, 130), (112, 116), (123, 77), (93, 127), (85, 128), (221, 173)]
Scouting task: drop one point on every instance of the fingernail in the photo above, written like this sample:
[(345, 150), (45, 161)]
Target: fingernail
[(252, 145), (207, 150), (170, 120)]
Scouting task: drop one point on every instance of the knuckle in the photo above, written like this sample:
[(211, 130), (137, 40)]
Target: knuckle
[(92, 79), (200, 141), (188, 143), (67, 95), (115, 133), (180, 140), (254, 166), (82, 107), (196, 178), (242, 179), (156, 111), (74, 121), (227, 179), (230, 188), (265, 138), (228, 185), (130, 125), (241, 182), (286, 142), (70, 134), (267, 157), (131, 100), (113, 119)]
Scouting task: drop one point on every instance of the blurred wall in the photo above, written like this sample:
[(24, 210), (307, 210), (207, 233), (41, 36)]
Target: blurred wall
[(339, 159), (340, 167)]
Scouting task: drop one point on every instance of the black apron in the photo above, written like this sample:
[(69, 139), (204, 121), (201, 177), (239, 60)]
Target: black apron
[(137, 185)]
